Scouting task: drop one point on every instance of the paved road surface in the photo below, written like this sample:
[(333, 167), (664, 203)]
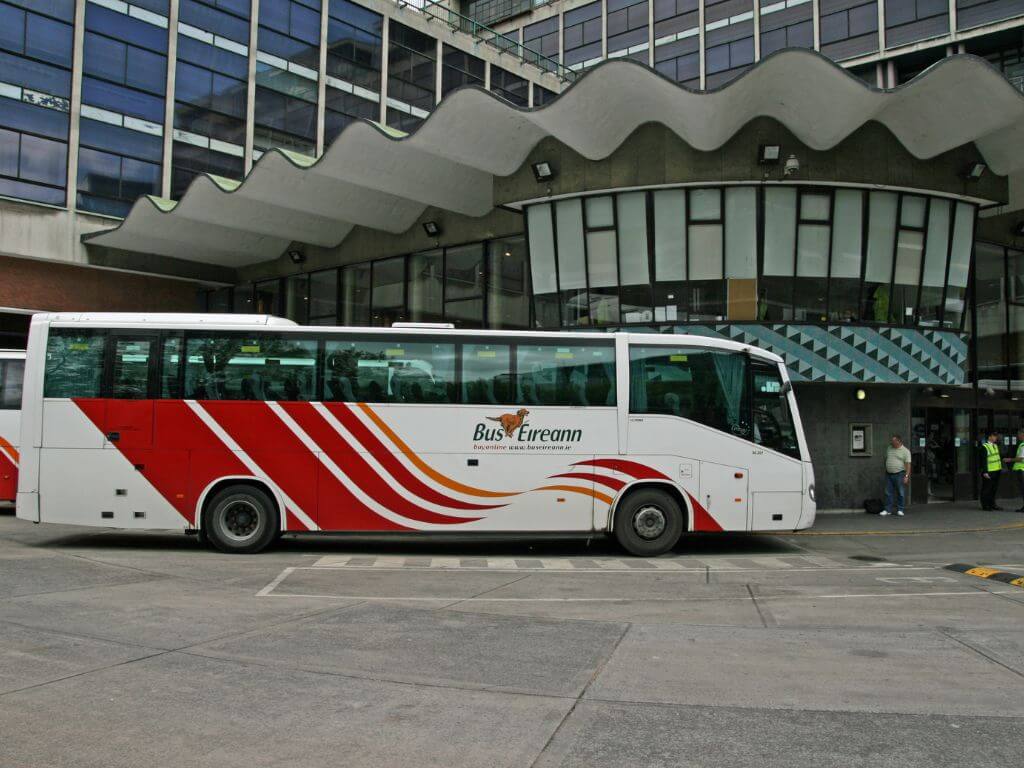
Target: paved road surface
[(837, 649)]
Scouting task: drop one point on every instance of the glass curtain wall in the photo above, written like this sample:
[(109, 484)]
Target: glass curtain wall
[(36, 41), (124, 84), (210, 91), (745, 253), (287, 62), (354, 51), (412, 62)]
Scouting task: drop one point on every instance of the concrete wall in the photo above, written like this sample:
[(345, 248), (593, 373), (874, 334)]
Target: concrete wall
[(827, 410), (655, 155)]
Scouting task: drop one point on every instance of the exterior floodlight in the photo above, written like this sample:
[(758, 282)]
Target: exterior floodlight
[(792, 166), (1018, 229), (975, 171), (769, 154), (432, 228), (296, 256), (861, 394), (543, 171)]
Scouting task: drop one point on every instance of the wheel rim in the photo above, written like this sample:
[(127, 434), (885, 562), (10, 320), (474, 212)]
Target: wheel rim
[(649, 522), (241, 520)]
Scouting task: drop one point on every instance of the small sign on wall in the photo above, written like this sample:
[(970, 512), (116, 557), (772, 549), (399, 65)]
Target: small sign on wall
[(860, 439)]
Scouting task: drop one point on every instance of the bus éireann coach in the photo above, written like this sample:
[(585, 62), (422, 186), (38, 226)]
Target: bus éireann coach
[(12, 366), (242, 427)]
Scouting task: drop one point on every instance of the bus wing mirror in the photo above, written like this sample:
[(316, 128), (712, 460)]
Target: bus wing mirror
[(787, 387)]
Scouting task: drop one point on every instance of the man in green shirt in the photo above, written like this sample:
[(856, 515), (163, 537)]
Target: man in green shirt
[(897, 476)]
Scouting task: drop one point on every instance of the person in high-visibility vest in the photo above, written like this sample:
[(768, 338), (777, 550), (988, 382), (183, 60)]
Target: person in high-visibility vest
[(1017, 467), (991, 469)]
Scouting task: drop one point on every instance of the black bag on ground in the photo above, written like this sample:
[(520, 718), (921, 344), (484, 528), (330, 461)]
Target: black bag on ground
[(873, 506)]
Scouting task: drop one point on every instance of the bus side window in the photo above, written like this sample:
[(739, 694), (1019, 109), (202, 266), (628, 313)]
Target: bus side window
[(266, 367), (170, 386), (12, 372), (394, 371), (703, 385), (486, 374), (555, 374), (74, 363)]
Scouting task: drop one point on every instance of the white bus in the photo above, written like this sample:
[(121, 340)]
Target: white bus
[(242, 427), (12, 368)]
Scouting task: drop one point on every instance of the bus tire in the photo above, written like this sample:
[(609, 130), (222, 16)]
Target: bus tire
[(241, 519), (648, 522)]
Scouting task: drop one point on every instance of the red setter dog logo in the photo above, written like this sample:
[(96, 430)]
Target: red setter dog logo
[(510, 422)]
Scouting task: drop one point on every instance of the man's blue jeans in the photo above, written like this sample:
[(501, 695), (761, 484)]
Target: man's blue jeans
[(895, 490)]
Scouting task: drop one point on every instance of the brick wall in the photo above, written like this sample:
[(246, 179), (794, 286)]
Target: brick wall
[(45, 285)]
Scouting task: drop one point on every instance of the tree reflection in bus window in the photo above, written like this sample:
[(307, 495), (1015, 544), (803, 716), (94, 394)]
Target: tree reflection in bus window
[(703, 385), (394, 371), (130, 379), (773, 422), (250, 368), (74, 363), (571, 374)]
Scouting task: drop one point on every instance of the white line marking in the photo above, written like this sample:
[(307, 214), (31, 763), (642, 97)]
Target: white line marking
[(452, 564), (638, 600), (772, 562), (267, 590)]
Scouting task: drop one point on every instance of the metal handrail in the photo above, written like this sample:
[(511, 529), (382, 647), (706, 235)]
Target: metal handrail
[(459, 23)]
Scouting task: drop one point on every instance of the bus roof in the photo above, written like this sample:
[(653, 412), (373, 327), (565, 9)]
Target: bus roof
[(235, 322)]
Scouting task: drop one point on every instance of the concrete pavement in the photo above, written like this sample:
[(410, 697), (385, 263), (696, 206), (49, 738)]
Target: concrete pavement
[(850, 646)]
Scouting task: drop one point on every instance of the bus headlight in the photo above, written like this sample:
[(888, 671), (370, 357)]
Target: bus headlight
[(810, 491)]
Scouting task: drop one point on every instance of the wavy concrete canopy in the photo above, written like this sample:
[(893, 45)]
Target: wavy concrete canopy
[(382, 179)]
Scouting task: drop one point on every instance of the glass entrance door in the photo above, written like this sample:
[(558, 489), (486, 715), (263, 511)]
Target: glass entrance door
[(934, 454)]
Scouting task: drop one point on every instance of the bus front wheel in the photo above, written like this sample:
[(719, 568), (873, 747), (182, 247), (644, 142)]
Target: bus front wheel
[(648, 522), (241, 519)]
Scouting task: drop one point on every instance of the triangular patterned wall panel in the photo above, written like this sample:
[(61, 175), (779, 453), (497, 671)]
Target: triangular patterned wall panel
[(838, 353)]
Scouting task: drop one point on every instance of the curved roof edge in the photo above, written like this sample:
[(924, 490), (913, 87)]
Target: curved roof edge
[(377, 177)]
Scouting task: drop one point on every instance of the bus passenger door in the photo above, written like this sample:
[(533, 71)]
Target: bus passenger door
[(723, 492)]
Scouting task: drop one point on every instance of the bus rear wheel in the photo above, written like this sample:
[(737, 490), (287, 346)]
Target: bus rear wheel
[(241, 519), (648, 522)]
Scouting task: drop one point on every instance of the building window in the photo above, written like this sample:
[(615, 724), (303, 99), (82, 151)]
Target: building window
[(508, 283), (910, 20), (411, 69), (848, 31), (627, 29), (542, 96), (287, 64), (124, 81), (210, 93), (35, 99), (512, 88), (460, 68), (353, 66), (741, 253), (540, 42), (581, 36), (788, 28)]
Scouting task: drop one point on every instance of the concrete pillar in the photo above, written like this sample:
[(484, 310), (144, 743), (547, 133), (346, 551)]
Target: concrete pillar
[(172, 60), (757, 30), (881, 26), (76, 104), (952, 18), (439, 55), (250, 102), (321, 90), (700, 27), (650, 33), (604, 29), (385, 41), (816, 22)]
